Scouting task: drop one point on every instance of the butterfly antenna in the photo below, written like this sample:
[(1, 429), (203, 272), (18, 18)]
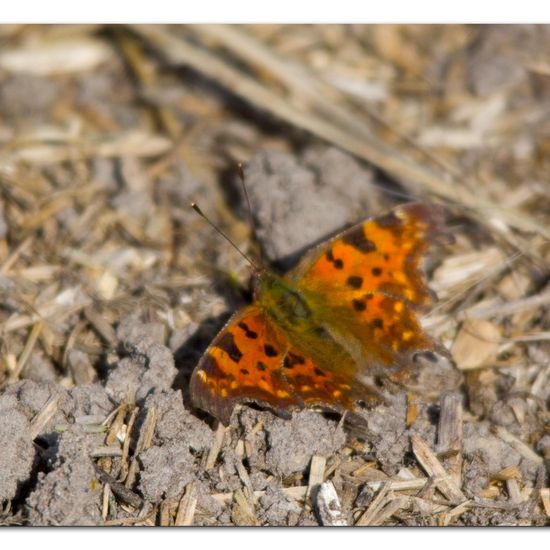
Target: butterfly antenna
[(197, 209), (249, 207)]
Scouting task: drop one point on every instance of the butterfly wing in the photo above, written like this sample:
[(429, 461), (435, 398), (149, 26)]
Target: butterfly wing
[(252, 360), (366, 285), (243, 363)]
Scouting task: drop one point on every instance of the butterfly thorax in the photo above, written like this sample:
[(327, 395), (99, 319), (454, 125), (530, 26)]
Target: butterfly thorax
[(281, 301)]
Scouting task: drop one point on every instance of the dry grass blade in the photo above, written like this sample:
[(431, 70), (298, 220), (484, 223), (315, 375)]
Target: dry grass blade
[(42, 418), (374, 507), (27, 350), (216, 447), (434, 469), (518, 445), (504, 309), (126, 444), (106, 451)]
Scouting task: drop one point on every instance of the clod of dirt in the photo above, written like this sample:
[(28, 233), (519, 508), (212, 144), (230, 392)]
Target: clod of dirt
[(387, 433), (149, 365), (69, 494), (298, 201), (89, 400), (17, 455), (293, 442), (275, 508), (174, 422), (495, 453), (167, 469), (31, 396), (488, 454)]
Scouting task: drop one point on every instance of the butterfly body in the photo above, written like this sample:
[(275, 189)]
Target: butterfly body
[(320, 335)]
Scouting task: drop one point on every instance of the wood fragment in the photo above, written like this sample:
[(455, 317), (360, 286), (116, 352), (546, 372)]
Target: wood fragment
[(412, 408), (165, 513), (374, 507), (245, 479), (105, 501), (450, 434), (116, 425), (144, 442), (327, 505), (118, 489), (242, 513), (445, 518), (187, 505), (545, 498), (476, 344), (394, 505), (395, 485), (433, 467), (126, 444), (316, 473), (514, 491), (510, 472)]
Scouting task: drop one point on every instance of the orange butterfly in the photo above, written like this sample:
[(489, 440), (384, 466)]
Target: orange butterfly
[(319, 335)]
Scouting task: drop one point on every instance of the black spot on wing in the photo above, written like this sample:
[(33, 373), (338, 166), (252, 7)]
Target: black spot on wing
[(227, 344), (378, 323), (270, 351), (358, 305), (356, 238), (336, 262), (376, 271), (248, 333), (261, 366), (355, 282), (293, 359)]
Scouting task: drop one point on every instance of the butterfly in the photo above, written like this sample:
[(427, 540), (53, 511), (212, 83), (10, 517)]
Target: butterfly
[(322, 334)]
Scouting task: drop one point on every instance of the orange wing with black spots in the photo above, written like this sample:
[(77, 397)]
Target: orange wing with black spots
[(368, 283), (251, 360), (243, 363)]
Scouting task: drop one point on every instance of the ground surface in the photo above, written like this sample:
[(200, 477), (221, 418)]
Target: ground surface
[(112, 287)]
